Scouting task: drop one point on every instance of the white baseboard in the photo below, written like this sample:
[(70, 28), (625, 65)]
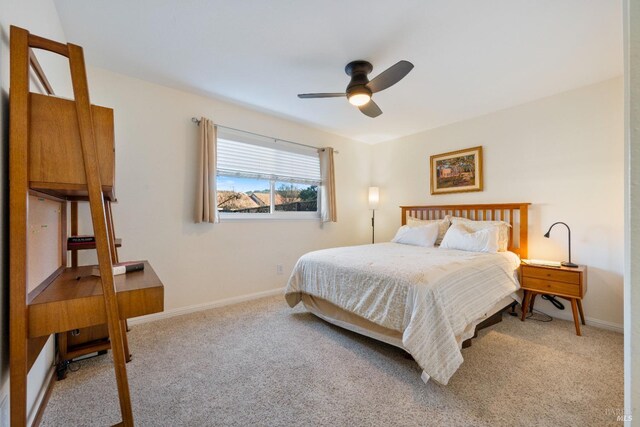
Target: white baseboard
[(4, 411), (596, 323), (41, 395), (206, 306), (603, 324)]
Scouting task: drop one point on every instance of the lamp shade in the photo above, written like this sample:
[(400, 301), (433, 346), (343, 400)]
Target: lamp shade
[(374, 197)]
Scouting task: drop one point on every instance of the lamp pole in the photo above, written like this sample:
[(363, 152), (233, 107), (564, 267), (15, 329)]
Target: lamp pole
[(373, 226), (374, 198)]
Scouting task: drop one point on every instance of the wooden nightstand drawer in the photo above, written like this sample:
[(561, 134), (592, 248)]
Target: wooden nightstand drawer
[(551, 274), (565, 282), (551, 287)]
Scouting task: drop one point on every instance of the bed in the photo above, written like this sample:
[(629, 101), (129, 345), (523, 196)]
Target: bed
[(428, 301)]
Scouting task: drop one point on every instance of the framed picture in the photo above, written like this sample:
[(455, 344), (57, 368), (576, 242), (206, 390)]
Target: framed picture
[(457, 171)]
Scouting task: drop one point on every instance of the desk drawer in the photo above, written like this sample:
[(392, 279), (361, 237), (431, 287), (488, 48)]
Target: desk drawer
[(550, 274), (551, 287)]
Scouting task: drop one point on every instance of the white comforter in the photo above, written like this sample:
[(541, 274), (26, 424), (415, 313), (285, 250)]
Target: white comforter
[(434, 297)]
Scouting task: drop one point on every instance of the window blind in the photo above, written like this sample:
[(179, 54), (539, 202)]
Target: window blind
[(259, 161)]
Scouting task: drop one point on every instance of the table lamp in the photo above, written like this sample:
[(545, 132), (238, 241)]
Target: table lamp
[(563, 263)]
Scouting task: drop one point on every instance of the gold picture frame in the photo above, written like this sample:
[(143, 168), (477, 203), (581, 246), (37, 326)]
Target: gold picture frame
[(457, 171)]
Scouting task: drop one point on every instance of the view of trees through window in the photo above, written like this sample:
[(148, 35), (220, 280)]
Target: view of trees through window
[(296, 197), (249, 195)]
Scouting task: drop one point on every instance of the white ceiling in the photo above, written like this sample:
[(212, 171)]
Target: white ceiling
[(471, 57)]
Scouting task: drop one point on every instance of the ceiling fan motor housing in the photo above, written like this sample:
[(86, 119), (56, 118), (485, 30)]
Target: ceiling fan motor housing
[(358, 70)]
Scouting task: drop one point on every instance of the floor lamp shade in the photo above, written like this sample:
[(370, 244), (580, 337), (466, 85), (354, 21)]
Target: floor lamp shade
[(374, 197)]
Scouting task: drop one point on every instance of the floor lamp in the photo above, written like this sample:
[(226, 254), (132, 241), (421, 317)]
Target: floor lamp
[(374, 198)]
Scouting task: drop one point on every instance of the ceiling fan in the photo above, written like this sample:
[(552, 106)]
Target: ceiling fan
[(360, 89)]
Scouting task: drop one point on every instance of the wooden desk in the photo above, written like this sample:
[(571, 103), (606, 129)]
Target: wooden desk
[(568, 283), (78, 294)]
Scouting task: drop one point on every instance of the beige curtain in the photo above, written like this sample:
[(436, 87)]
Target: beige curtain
[(328, 188), (206, 204)]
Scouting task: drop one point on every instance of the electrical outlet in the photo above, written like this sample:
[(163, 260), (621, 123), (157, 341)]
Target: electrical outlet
[(279, 269)]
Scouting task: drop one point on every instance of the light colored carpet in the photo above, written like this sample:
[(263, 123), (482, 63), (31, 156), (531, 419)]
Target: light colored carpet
[(262, 363)]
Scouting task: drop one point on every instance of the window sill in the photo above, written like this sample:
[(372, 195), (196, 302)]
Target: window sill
[(266, 217)]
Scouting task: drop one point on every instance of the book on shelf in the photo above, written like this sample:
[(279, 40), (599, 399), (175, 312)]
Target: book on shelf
[(81, 239), (80, 245), (121, 268), (89, 244)]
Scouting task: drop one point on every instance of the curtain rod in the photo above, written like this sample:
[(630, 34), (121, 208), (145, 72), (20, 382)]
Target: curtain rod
[(197, 121)]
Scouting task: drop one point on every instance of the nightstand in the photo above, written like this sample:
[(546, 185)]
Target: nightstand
[(568, 283)]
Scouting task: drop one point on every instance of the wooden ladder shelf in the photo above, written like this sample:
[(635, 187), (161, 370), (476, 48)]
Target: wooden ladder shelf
[(42, 128), (94, 339)]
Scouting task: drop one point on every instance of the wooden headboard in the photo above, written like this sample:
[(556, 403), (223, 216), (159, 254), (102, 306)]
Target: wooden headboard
[(516, 214)]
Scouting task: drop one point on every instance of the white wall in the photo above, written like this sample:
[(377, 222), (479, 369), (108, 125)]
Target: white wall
[(564, 154), (156, 145), (41, 18)]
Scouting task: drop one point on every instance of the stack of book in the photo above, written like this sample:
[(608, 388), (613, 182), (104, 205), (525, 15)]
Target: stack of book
[(81, 242), (121, 268)]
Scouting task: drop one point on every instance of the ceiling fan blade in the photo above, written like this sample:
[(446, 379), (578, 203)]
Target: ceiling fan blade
[(371, 109), (321, 95), (390, 76)]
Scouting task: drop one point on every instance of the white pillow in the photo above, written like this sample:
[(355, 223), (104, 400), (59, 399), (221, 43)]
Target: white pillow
[(443, 225), (459, 237), (503, 229), (425, 235)]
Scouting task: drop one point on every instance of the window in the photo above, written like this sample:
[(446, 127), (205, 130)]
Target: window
[(264, 179)]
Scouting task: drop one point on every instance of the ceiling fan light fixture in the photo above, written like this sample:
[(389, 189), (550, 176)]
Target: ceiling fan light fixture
[(359, 99), (360, 88)]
